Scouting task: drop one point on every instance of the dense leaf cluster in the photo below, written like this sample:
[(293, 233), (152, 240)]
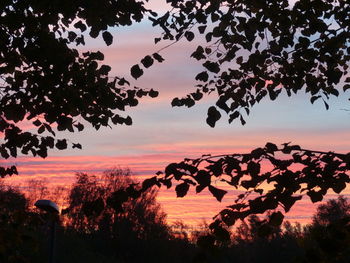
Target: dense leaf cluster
[(255, 49), (48, 82)]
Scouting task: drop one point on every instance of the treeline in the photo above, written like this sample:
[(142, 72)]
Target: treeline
[(96, 226), (99, 223)]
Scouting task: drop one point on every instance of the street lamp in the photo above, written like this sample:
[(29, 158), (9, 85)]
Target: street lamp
[(47, 205), (51, 208)]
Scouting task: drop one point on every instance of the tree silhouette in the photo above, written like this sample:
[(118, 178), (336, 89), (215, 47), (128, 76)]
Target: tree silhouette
[(18, 227), (94, 206), (332, 211), (327, 238), (48, 82)]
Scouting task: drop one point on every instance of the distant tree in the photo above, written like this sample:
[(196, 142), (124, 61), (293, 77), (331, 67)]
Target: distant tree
[(46, 81), (201, 229), (248, 231), (84, 191), (332, 211), (94, 206), (59, 195), (254, 229), (13, 204), (36, 189), (18, 228), (294, 231), (327, 238)]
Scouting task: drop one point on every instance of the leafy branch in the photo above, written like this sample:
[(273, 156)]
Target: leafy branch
[(271, 179)]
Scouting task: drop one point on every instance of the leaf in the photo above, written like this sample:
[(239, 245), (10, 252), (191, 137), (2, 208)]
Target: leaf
[(171, 169), (315, 196), (313, 98), (37, 122), (289, 201), (203, 76), (41, 129), (148, 183), (271, 147), (253, 168), (233, 116), (326, 105), (136, 71), (80, 25), (189, 35), (346, 87), (200, 188), (176, 102), (243, 122), (4, 153), (107, 37), (338, 186), (105, 69), (197, 95), (201, 29), (209, 36), (128, 121), (167, 183), (94, 32), (212, 66), (217, 193), (72, 36), (61, 144), (199, 53), (158, 57), (42, 152), (182, 189), (214, 17), (147, 61), (76, 145), (203, 178), (213, 116), (79, 126), (153, 93)]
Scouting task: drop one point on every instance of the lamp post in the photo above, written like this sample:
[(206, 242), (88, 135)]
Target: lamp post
[(53, 210)]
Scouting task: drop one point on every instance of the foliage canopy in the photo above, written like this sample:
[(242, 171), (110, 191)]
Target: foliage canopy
[(47, 81), (253, 50)]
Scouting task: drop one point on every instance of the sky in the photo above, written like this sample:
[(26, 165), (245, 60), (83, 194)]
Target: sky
[(161, 134)]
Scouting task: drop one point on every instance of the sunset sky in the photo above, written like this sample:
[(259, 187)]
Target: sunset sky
[(161, 134)]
